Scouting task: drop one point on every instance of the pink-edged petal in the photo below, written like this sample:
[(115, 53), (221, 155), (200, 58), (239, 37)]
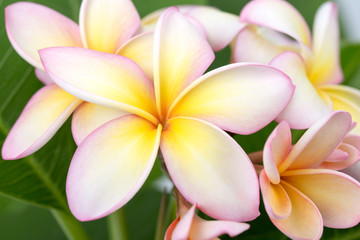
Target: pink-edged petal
[(210, 168), (43, 76), (337, 155), (101, 78), (140, 50), (276, 149), (181, 55), (336, 195), (353, 157), (345, 98), (110, 166), (277, 202), (257, 44), (232, 96), (326, 67), (170, 229), (182, 229), (353, 140), (215, 21), (318, 142), (106, 25), (32, 26), (305, 221), (210, 230), (277, 15), (42, 116), (88, 117), (306, 106)]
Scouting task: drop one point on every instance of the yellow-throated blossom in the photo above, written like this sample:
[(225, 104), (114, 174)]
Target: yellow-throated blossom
[(299, 196), (181, 112), (104, 26), (312, 62)]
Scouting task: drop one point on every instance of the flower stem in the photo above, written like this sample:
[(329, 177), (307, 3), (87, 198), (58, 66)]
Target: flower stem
[(256, 157), (117, 227), (160, 228), (71, 227)]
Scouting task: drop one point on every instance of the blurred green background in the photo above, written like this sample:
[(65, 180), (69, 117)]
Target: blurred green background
[(39, 180)]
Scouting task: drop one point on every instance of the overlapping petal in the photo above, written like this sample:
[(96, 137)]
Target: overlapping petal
[(277, 15), (43, 76), (336, 195), (318, 142), (214, 22), (326, 67), (106, 25), (352, 156), (88, 116), (276, 149), (111, 165), (178, 60), (347, 99), (305, 221), (31, 132), (32, 26), (258, 44), (233, 96), (140, 50), (209, 167), (105, 79), (306, 106), (276, 200)]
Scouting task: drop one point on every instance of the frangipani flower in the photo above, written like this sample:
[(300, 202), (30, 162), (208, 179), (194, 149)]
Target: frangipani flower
[(299, 197), (181, 112), (209, 20), (104, 26), (313, 63), (189, 226)]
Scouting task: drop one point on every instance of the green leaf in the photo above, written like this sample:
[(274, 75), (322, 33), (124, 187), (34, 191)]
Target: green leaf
[(40, 178), (350, 63)]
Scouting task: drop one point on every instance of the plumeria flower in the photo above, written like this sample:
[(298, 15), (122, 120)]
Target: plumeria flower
[(181, 112), (299, 197), (210, 20), (104, 26), (312, 62), (189, 226)]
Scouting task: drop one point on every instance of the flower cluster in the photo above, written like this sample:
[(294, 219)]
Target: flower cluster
[(139, 89)]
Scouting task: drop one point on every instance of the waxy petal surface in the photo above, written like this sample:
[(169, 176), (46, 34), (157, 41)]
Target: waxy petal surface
[(277, 15), (233, 96), (326, 67), (306, 106), (347, 99), (210, 168), (105, 79), (276, 149), (353, 156), (305, 221), (140, 50), (88, 116), (318, 142), (276, 200), (43, 115), (210, 230), (336, 195), (32, 26), (43, 76), (214, 22), (181, 55), (106, 25), (257, 44), (110, 166)]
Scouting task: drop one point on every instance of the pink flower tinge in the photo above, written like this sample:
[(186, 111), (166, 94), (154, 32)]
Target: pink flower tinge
[(181, 111), (278, 34), (189, 226), (300, 197), (104, 26)]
